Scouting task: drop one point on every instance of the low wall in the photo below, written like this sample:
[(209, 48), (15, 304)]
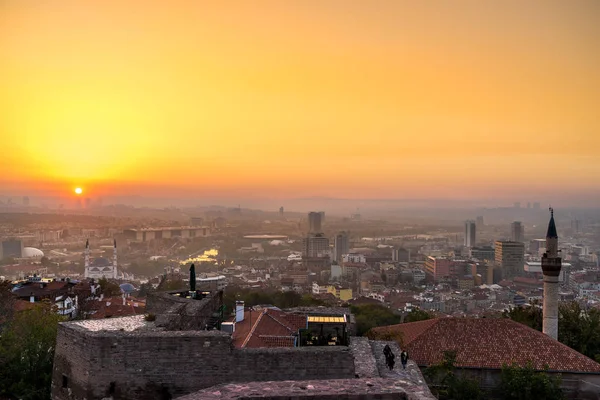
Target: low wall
[(151, 363)]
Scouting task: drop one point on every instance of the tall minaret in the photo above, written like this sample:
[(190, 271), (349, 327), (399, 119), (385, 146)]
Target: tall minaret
[(115, 260), (87, 259), (551, 264)]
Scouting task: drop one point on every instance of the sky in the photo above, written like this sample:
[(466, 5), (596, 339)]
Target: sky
[(299, 98)]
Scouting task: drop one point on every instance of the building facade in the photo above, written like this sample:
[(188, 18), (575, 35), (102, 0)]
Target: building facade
[(315, 220), (341, 246), (517, 232), (470, 233), (510, 256)]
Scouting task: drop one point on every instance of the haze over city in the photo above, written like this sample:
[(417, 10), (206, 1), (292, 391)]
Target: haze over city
[(298, 99)]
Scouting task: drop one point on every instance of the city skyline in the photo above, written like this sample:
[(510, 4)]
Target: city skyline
[(302, 98)]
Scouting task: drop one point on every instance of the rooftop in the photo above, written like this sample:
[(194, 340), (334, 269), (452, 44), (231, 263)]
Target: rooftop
[(488, 343), (126, 324)]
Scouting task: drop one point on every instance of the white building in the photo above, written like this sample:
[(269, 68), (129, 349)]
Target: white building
[(101, 267)]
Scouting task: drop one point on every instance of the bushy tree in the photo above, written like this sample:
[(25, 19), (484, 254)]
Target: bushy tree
[(579, 329), (447, 384), (370, 316), (530, 316), (109, 288), (7, 302), (417, 315), (27, 353), (525, 383)]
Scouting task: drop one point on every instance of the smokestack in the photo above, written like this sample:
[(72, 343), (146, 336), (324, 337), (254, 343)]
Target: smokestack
[(239, 311), (32, 298), (551, 265)]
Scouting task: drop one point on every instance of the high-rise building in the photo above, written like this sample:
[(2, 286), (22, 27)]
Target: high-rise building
[(11, 248), (517, 231), (341, 246), (551, 265), (470, 233), (479, 222), (281, 211), (510, 256), (576, 226), (315, 246), (483, 253), (400, 255), (315, 219)]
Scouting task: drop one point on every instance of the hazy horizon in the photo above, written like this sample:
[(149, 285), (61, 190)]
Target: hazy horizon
[(477, 101)]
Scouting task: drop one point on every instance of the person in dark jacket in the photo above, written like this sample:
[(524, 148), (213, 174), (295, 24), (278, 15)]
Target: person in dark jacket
[(404, 359)]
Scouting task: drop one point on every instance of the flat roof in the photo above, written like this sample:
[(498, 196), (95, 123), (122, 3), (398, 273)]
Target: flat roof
[(127, 324)]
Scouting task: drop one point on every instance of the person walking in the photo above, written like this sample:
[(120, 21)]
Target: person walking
[(404, 358)]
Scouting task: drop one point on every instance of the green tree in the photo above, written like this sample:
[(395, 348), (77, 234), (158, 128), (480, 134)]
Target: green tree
[(530, 316), (446, 383), (525, 383), (109, 288), (7, 302), (579, 329), (370, 316), (417, 315), (27, 353)]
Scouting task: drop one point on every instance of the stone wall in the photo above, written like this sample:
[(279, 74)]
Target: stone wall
[(153, 363), (179, 313)]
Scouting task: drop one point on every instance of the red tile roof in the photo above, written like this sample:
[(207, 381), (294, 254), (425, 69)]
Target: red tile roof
[(488, 343), (268, 328)]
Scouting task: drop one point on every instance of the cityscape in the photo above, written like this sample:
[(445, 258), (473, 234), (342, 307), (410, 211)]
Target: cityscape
[(299, 200)]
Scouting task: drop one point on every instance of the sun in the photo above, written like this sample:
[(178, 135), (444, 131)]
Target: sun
[(78, 190)]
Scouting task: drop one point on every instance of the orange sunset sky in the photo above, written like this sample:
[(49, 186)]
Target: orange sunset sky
[(351, 98)]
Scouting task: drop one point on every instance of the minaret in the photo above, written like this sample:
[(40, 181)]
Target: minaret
[(87, 259), (551, 264), (115, 260)]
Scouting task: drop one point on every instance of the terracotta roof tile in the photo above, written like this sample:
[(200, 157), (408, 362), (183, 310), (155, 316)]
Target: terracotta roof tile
[(268, 328), (488, 343)]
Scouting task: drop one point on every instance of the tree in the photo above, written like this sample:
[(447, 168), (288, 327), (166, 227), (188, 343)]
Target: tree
[(530, 316), (7, 302), (525, 383), (109, 288), (417, 315), (579, 329), (27, 353), (370, 316), (447, 384)]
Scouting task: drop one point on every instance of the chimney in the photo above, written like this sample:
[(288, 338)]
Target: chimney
[(239, 311), (124, 301), (32, 298)]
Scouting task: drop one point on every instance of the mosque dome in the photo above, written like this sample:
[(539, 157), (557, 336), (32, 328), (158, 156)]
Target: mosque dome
[(32, 252), (127, 287), (101, 262)]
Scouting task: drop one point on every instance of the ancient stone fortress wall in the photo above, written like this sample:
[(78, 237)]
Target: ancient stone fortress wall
[(131, 358)]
